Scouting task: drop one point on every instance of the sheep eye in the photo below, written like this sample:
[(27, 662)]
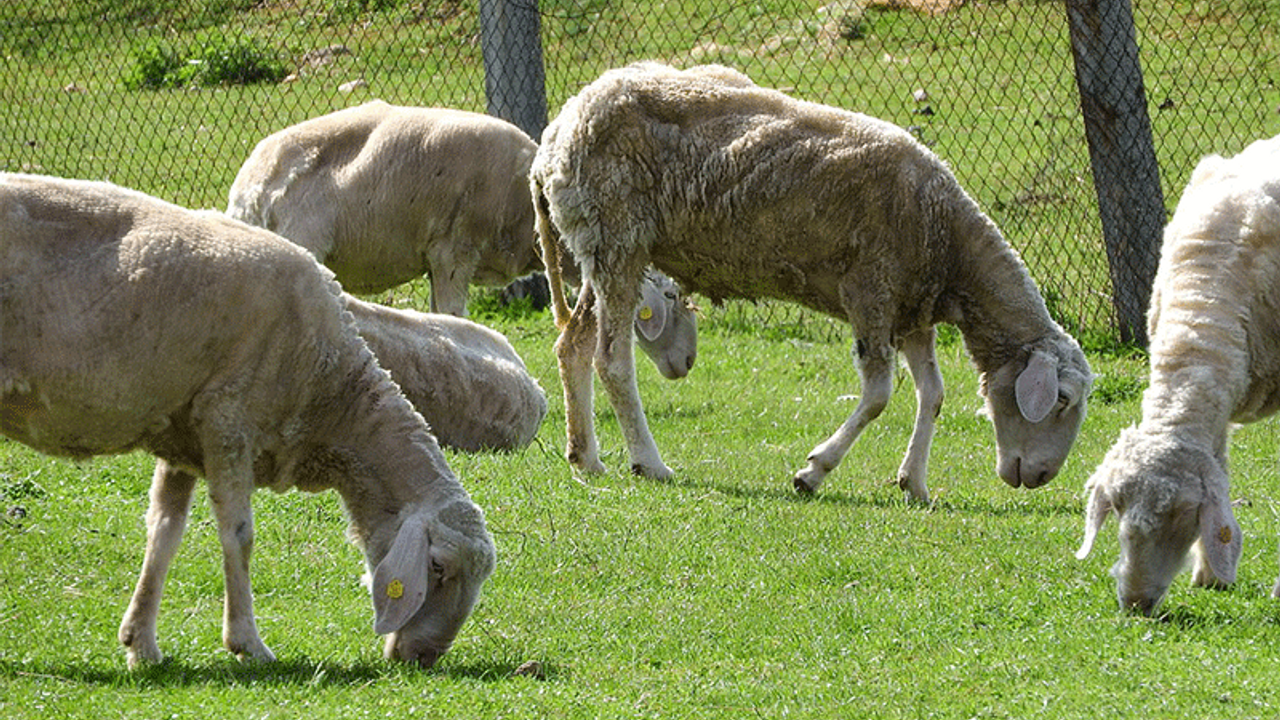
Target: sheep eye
[(437, 569)]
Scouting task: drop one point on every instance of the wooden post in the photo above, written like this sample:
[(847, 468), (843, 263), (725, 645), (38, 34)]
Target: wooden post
[(514, 79), (1125, 173)]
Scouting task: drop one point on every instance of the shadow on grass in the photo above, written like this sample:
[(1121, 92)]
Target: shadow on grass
[(783, 492), (301, 672)]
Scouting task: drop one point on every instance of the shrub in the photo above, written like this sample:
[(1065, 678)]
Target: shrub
[(212, 59)]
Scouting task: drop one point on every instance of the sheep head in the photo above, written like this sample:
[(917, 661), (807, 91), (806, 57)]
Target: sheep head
[(1170, 496), (1037, 404), (429, 579), (666, 326)]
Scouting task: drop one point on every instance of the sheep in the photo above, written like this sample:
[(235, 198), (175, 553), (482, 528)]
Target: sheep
[(224, 350), (1214, 329), (463, 378), (739, 191), (382, 194)]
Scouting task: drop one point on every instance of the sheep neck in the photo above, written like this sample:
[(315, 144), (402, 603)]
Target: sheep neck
[(383, 454), (1199, 375), (991, 296)]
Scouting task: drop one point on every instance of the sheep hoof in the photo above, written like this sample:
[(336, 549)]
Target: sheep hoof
[(661, 472), (808, 480), (138, 658), (916, 491)]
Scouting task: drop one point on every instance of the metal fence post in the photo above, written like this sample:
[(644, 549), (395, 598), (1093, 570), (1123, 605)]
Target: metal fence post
[(514, 79), (1125, 173)]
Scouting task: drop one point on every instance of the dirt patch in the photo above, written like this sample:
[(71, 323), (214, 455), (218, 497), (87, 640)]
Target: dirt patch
[(929, 7)]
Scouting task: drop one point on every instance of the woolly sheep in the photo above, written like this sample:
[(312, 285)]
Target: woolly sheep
[(739, 191), (382, 194), (465, 379), (1214, 327), (129, 323)]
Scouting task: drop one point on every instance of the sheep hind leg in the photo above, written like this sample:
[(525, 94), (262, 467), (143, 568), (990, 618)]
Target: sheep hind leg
[(875, 365), (573, 353), (170, 504), (923, 365)]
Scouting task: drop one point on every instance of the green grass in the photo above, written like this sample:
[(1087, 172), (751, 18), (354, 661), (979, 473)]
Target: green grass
[(719, 593)]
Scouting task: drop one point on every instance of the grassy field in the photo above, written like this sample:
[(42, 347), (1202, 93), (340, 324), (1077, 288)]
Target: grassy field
[(719, 593)]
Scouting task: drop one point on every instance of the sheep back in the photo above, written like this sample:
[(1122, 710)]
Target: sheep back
[(465, 379), (1216, 298), (101, 284), (660, 159)]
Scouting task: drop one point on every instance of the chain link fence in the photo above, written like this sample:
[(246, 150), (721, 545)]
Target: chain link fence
[(146, 93)]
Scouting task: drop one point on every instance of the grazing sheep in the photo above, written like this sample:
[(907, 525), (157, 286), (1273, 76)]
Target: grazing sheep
[(129, 323), (739, 191), (1214, 325), (465, 379), (382, 194)]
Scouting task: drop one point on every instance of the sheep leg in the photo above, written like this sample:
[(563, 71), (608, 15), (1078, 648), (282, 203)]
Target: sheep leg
[(573, 351), (449, 291), (170, 504), (875, 367), (918, 349), (615, 363), (229, 493)]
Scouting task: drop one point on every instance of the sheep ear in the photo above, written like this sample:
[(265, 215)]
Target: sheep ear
[(1220, 537), (1095, 515), (1036, 388), (400, 580), (651, 316)]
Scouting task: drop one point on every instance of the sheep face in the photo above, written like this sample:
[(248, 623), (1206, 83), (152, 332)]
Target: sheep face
[(428, 582), (1169, 497), (1037, 408), (667, 326)]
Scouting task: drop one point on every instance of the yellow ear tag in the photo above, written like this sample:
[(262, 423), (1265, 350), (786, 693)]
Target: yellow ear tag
[(1224, 535), (395, 589), (646, 312)]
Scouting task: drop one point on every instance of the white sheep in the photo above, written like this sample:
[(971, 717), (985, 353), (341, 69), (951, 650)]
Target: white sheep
[(383, 194), (739, 191), (1214, 327), (128, 323), (463, 378)]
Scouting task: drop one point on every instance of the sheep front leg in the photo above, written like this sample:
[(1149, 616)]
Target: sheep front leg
[(229, 493), (170, 504), (449, 290), (923, 365), (573, 353), (875, 366), (615, 363)]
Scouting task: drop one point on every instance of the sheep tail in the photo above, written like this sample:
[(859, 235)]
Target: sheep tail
[(551, 250)]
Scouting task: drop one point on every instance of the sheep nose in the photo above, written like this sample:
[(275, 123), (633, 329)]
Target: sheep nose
[(428, 657), (688, 363), (1025, 474), (1141, 604)]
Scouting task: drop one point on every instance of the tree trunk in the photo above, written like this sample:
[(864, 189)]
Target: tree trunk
[(1125, 174), (514, 79)]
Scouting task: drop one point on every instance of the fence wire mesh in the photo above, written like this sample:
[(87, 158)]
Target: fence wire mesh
[(150, 93)]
